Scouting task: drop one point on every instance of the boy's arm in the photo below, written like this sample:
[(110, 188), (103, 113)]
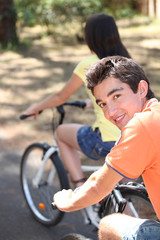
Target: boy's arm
[(98, 185)]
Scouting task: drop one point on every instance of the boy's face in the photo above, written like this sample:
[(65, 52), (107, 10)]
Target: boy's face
[(117, 100)]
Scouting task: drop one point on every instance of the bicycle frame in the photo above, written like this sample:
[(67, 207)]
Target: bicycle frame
[(48, 153)]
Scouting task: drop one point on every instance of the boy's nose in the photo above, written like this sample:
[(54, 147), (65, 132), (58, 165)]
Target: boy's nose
[(111, 110)]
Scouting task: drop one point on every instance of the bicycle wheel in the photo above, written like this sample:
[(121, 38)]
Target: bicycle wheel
[(39, 189), (74, 236), (138, 204)]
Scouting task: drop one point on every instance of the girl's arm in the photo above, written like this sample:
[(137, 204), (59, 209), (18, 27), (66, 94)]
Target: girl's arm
[(56, 99)]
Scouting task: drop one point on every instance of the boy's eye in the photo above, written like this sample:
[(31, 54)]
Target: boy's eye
[(101, 105), (116, 96)]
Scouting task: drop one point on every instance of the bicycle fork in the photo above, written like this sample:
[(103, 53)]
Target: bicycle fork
[(91, 215), (49, 151), (121, 204)]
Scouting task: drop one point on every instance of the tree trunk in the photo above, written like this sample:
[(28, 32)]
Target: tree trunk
[(8, 19), (158, 9), (144, 6), (151, 8)]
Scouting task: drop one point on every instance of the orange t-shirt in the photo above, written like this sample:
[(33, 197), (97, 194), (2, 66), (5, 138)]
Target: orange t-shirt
[(138, 150)]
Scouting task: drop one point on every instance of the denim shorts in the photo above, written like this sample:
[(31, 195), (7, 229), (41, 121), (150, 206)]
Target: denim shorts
[(91, 144), (144, 230)]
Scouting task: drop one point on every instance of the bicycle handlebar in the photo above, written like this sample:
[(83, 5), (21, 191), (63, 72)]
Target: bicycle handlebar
[(23, 116), (132, 186), (80, 104)]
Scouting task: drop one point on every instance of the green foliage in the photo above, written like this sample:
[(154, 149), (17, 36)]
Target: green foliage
[(26, 11), (81, 9), (55, 11), (121, 9)]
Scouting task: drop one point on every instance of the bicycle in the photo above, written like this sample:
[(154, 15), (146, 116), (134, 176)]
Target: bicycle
[(129, 198), (42, 174)]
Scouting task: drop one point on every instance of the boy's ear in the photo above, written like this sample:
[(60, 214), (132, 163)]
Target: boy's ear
[(143, 88)]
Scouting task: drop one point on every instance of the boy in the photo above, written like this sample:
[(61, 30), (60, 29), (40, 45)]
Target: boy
[(123, 92)]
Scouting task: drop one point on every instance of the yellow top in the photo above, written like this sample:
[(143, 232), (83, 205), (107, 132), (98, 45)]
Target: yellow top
[(109, 131)]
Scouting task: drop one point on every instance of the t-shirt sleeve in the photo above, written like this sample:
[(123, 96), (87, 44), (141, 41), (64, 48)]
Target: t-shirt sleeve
[(83, 66), (80, 70), (133, 154)]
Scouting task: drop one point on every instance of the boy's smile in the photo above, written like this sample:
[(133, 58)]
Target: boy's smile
[(117, 100)]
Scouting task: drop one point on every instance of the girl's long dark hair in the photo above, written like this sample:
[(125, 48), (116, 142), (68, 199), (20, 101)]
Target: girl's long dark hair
[(102, 36)]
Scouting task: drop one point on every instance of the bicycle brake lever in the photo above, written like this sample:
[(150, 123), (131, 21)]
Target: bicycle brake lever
[(54, 207)]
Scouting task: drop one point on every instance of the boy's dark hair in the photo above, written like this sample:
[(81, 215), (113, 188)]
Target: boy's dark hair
[(125, 69), (102, 36)]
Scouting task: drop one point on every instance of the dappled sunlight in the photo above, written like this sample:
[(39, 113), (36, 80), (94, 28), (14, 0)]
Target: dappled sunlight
[(9, 56), (156, 90), (29, 61), (55, 87), (154, 65), (69, 53), (151, 43), (7, 96), (13, 96), (23, 82), (40, 72), (8, 112), (26, 32), (31, 74)]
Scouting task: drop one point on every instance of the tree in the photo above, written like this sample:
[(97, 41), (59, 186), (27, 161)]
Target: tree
[(53, 13), (8, 17), (150, 8), (158, 8)]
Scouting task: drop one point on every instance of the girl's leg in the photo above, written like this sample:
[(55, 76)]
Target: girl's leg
[(68, 146)]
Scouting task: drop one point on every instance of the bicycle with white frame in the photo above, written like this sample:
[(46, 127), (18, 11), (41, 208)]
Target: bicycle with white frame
[(42, 174)]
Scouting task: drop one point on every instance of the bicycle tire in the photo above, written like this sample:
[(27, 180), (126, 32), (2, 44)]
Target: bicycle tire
[(39, 198), (74, 236), (138, 204)]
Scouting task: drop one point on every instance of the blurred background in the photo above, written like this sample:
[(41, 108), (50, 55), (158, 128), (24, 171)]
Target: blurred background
[(41, 41)]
